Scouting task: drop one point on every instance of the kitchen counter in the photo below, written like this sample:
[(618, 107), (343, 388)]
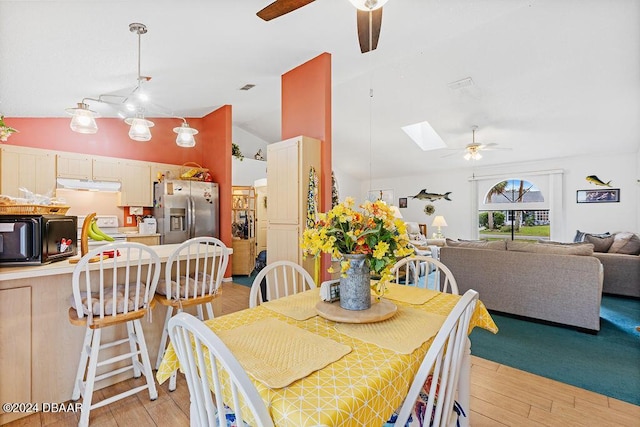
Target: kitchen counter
[(65, 267), (40, 347)]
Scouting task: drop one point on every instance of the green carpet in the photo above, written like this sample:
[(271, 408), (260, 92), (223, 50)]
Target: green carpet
[(607, 363), (243, 280)]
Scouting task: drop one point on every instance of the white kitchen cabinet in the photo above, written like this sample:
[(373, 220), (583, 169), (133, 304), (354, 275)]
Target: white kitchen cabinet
[(136, 184), (106, 169), (74, 166), (30, 168), (83, 166), (15, 351), (288, 166)]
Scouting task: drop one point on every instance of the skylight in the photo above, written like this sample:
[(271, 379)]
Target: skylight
[(424, 136)]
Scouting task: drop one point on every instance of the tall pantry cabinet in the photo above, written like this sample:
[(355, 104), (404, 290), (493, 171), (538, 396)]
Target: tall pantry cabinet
[(288, 166)]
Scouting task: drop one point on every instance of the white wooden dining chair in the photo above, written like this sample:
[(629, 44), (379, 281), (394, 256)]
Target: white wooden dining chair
[(108, 292), (282, 278), (430, 400), (192, 277), (190, 337), (409, 270)]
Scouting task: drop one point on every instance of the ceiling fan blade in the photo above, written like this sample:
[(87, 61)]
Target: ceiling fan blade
[(369, 23), (281, 7)]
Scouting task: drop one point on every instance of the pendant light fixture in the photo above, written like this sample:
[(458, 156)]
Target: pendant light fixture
[(83, 120), (185, 135), (139, 130)]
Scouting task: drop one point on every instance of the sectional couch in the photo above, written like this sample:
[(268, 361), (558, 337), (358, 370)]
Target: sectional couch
[(619, 254), (555, 283)]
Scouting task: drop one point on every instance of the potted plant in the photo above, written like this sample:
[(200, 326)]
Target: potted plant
[(235, 151), (5, 131), (371, 239)]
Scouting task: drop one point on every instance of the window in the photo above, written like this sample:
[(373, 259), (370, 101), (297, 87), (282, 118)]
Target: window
[(510, 211)]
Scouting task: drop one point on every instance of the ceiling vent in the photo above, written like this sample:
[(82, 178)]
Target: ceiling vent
[(461, 84), (247, 86)]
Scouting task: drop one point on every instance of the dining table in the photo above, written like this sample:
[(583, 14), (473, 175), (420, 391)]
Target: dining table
[(312, 368)]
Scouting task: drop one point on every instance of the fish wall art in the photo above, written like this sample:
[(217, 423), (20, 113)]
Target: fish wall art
[(597, 181), (424, 195)]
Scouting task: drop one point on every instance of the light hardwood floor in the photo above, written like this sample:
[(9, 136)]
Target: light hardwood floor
[(500, 396)]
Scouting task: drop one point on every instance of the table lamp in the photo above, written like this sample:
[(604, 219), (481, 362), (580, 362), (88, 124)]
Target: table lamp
[(439, 221)]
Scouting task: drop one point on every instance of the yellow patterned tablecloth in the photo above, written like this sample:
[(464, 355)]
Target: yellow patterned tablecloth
[(362, 388)]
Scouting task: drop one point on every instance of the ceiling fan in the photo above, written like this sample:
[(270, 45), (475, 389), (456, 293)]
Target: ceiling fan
[(472, 150), (369, 17)]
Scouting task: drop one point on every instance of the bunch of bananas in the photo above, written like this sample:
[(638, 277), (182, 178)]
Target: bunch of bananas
[(95, 233), (91, 230)]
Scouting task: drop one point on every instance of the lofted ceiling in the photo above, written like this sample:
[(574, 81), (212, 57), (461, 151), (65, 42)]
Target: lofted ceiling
[(551, 78)]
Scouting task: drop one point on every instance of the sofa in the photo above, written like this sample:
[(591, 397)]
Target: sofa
[(555, 283), (619, 254)]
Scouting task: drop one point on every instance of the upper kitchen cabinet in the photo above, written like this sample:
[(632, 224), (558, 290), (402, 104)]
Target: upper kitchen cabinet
[(74, 166), (83, 166), (106, 169), (29, 168), (137, 188)]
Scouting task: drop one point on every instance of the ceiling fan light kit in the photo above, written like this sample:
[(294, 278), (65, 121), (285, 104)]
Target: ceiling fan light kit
[(83, 120), (368, 4)]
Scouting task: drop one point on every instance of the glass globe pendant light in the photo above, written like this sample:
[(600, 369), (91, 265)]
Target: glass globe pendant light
[(185, 135), (139, 130), (83, 120)]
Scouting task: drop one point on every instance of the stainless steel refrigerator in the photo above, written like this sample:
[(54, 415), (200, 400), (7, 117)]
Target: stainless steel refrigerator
[(186, 209)]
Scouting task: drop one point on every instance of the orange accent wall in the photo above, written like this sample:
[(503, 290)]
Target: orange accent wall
[(217, 156), (306, 110), (112, 139)]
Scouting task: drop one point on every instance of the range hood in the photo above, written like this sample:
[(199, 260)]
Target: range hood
[(84, 184)]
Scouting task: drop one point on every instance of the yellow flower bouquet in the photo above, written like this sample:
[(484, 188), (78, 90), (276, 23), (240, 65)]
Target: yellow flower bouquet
[(372, 231)]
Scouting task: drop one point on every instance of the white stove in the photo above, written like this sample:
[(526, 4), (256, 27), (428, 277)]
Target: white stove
[(108, 224)]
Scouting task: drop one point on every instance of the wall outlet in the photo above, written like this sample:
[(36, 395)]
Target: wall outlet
[(129, 220), (135, 210)]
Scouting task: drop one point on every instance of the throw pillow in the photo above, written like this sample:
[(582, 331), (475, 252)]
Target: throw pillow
[(625, 243), (600, 244), (579, 237), (499, 245)]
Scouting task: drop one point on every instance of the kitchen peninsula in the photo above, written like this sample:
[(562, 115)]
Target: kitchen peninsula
[(40, 351)]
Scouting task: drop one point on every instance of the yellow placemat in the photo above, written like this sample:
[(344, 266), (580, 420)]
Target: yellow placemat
[(403, 333), (278, 354), (409, 294), (301, 306)]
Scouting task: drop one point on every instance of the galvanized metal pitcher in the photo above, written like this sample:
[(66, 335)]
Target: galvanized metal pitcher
[(355, 290)]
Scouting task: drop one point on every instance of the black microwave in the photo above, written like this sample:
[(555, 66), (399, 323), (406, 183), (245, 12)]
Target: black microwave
[(37, 239)]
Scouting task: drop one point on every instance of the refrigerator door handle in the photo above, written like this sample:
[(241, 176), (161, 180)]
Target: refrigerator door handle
[(188, 218), (192, 218)]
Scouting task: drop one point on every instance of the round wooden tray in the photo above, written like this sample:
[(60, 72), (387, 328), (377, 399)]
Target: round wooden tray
[(379, 311)]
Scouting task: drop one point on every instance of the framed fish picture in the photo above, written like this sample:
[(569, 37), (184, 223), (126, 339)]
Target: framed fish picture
[(610, 195)]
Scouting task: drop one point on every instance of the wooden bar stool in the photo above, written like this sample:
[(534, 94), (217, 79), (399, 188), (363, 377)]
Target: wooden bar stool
[(108, 292), (193, 275)]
